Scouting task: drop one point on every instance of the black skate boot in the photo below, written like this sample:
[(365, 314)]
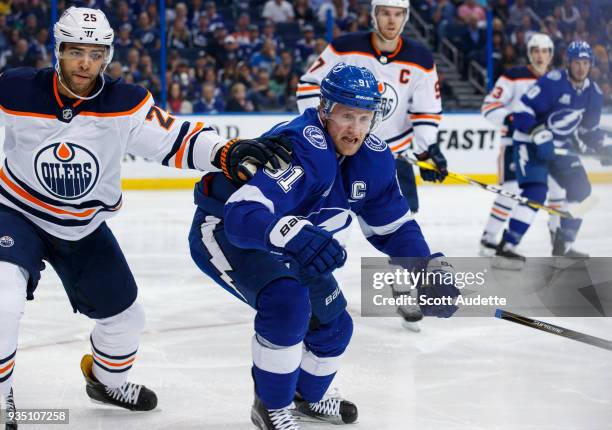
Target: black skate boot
[(506, 259), (129, 396), (487, 249), (272, 419), (332, 409), (564, 255), (8, 410)]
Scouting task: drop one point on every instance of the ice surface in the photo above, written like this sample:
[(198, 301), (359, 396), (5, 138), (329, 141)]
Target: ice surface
[(463, 373)]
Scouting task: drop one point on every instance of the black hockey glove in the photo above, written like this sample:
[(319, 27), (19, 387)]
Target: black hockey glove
[(508, 125), (433, 152), (606, 155), (239, 158)]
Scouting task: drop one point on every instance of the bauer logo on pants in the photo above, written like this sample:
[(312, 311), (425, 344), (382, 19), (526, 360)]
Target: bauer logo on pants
[(66, 170)]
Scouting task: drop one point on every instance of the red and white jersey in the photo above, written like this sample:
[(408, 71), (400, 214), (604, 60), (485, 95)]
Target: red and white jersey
[(505, 97), (408, 81), (63, 161)]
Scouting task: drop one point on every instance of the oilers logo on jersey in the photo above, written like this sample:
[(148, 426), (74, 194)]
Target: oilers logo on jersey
[(389, 99), (66, 170), (565, 121)]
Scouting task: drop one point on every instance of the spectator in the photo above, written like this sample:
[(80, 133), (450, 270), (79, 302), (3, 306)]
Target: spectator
[(21, 56), (254, 43), (526, 28), (39, 48), (278, 11), (305, 46), (569, 14), (122, 16), (4, 40), (210, 9), (200, 33), (123, 43), (208, 102), (443, 14), (216, 44), (338, 8), (303, 13), (501, 10), (238, 101), (320, 46), (133, 63), (148, 76), (241, 33), (290, 98), (176, 103), (244, 74), (262, 95), (146, 35), (269, 32), (178, 36), (278, 83), (518, 11), (473, 43), (114, 70), (31, 27), (551, 28), (266, 58), (363, 18), (181, 14), (470, 10), (230, 51)]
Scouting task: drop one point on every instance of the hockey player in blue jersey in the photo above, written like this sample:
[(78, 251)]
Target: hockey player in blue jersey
[(275, 242), (561, 106)]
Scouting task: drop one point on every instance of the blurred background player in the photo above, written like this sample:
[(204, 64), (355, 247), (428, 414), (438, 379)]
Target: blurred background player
[(560, 105), (411, 104), (498, 107), (273, 244), (66, 131)]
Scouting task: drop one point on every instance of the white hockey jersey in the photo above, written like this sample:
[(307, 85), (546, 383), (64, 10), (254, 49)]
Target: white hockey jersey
[(63, 161), (505, 97), (408, 81)]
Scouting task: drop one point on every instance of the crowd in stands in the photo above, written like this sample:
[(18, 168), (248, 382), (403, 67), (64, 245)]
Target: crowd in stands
[(248, 55)]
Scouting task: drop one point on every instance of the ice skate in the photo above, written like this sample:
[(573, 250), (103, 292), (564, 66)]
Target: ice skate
[(332, 409), (272, 419), (129, 395)]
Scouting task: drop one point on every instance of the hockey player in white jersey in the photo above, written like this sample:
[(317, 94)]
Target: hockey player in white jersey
[(498, 107), (66, 131), (408, 82)]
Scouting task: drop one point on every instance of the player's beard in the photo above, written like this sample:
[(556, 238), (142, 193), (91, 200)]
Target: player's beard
[(80, 87), (389, 35)]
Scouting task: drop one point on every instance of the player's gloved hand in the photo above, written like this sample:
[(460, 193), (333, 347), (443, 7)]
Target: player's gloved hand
[(433, 152), (314, 249), (443, 286), (543, 139), (509, 127), (239, 158)]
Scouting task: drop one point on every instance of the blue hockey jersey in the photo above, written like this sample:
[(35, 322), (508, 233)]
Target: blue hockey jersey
[(326, 190), (554, 102)]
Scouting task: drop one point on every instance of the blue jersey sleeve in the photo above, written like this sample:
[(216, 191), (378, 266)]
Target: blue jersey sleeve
[(536, 103), (251, 211), (589, 131), (388, 224)]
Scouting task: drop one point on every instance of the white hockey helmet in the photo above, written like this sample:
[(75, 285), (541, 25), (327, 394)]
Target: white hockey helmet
[(404, 4), (542, 41)]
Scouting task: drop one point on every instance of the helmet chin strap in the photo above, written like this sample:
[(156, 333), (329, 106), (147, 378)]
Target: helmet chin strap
[(59, 78)]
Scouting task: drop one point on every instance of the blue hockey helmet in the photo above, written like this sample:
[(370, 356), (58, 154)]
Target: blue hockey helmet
[(351, 86), (580, 50)]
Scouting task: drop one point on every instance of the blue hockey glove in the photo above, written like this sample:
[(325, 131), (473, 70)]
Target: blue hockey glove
[(312, 248), (433, 152), (543, 139), (439, 286)]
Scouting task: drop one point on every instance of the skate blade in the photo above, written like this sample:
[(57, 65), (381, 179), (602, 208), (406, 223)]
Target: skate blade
[(504, 263), (412, 326), (303, 418), (565, 263), (486, 252), (119, 408)]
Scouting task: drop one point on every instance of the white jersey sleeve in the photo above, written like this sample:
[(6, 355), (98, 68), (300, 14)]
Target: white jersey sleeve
[(157, 135), (425, 109), (497, 104)]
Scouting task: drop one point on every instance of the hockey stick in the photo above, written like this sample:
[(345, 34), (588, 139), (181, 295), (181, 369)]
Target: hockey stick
[(564, 151), (553, 329), (575, 213)]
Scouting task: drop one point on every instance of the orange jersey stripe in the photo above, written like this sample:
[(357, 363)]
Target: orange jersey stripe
[(499, 212), (8, 366), (367, 54), (426, 116), (32, 114), (308, 88), (179, 155), (125, 363), (517, 79), (401, 144), (113, 114), (487, 107), (25, 195)]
